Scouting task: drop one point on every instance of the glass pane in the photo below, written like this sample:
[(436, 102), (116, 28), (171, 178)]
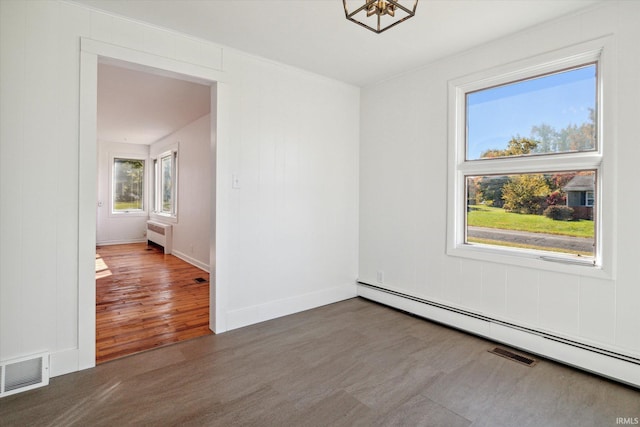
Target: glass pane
[(167, 193), (128, 185), (554, 113), (546, 211)]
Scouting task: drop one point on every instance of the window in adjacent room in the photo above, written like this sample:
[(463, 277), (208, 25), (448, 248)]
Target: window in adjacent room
[(128, 185), (165, 183)]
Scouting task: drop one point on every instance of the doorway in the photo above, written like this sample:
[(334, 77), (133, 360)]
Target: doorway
[(153, 136), (93, 52)]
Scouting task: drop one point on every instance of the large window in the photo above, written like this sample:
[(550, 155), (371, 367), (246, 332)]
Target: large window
[(165, 183), (526, 144), (128, 185)]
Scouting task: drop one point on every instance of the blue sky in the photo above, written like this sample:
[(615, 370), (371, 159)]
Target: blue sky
[(496, 115)]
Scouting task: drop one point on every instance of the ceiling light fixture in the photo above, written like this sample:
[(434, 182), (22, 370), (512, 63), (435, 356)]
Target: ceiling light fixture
[(379, 15)]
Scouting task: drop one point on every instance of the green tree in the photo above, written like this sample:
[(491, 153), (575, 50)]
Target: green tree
[(578, 138), (525, 193), (129, 179), (517, 146), (570, 138), (489, 190), (547, 136)]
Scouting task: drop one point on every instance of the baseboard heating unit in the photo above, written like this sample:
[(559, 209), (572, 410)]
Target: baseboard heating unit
[(23, 374), (160, 234), (609, 363)]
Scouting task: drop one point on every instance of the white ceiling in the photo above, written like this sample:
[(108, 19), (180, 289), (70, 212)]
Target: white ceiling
[(314, 34), (141, 108), (138, 107)]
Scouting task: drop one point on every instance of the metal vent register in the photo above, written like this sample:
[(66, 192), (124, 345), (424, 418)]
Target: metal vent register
[(528, 361), (24, 374)]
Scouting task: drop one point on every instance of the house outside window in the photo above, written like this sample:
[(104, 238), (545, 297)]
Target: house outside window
[(580, 193)]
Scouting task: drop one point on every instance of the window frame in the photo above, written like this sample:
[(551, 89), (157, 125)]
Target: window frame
[(145, 193), (590, 198), (157, 183), (597, 51)]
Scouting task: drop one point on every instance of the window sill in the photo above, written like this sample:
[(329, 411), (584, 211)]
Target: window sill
[(164, 217), (127, 214), (535, 260)]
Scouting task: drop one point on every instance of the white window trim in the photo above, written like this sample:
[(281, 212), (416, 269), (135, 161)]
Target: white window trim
[(145, 196), (155, 184), (588, 199), (600, 50)]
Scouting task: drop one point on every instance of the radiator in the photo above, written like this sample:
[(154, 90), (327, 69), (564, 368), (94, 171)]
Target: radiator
[(160, 234)]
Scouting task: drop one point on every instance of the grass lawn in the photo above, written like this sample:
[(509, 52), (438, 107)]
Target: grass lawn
[(123, 206), (485, 216)]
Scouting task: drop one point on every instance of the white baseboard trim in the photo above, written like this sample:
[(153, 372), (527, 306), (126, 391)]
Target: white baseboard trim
[(64, 362), (120, 242), (283, 307), (196, 263), (615, 368)]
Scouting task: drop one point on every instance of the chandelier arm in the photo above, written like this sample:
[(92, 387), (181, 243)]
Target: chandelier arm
[(394, 24), (409, 11), (364, 6), (364, 26)]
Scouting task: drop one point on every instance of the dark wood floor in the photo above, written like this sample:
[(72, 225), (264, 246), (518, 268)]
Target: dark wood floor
[(345, 364), (145, 299)]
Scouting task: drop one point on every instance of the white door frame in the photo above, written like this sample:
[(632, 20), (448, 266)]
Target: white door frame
[(90, 52)]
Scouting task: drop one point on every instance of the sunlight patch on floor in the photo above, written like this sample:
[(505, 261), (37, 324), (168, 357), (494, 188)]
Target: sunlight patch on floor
[(102, 269)]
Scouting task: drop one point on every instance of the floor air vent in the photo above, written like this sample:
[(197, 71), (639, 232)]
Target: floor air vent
[(513, 356), (23, 374)]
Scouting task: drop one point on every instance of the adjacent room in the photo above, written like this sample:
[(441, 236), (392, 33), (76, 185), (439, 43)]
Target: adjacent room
[(153, 211), (356, 212)]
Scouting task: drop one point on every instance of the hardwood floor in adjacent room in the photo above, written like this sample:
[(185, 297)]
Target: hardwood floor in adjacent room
[(146, 299)]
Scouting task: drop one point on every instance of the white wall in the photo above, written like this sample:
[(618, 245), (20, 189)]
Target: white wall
[(291, 239), (403, 175), (114, 228), (191, 230), (286, 240)]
